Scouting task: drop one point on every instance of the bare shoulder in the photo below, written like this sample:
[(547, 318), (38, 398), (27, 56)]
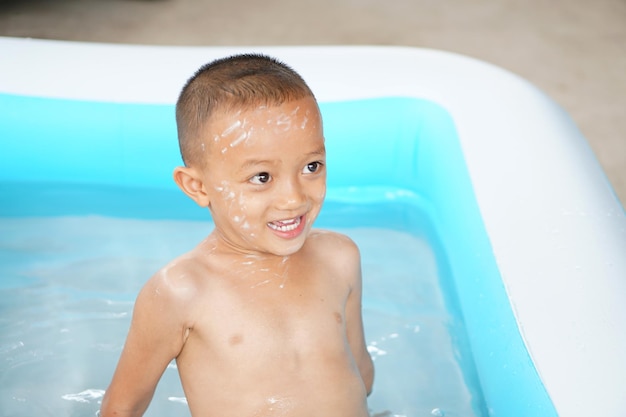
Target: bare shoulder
[(337, 250), (329, 241), (176, 279), (176, 286)]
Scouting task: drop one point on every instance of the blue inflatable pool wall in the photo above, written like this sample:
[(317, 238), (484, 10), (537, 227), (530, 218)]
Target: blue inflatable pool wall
[(63, 157)]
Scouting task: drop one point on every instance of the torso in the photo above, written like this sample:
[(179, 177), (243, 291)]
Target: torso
[(268, 338)]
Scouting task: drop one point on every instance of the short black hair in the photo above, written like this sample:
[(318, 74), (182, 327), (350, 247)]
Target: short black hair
[(235, 82)]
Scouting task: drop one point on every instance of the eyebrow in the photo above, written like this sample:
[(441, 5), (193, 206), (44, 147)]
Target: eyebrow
[(321, 151)]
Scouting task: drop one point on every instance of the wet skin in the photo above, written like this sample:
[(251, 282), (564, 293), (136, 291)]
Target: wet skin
[(264, 316)]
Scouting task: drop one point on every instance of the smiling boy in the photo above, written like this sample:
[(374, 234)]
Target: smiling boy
[(264, 316)]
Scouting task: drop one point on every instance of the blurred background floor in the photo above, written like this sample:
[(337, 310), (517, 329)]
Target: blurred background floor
[(574, 50)]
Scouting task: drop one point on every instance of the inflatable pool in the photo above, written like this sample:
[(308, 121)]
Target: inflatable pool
[(528, 241)]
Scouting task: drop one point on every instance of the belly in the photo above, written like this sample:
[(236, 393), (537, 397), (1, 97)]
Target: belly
[(314, 388)]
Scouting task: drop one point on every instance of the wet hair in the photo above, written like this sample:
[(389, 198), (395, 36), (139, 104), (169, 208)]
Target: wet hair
[(238, 82)]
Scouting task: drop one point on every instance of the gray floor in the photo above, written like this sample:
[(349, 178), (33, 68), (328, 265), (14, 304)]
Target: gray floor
[(574, 50)]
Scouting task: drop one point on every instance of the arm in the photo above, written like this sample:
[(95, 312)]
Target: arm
[(156, 336), (354, 320)]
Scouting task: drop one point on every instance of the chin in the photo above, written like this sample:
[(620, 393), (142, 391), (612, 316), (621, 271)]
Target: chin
[(287, 248), (286, 251)]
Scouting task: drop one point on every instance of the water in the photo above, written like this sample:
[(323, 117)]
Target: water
[(67, 286)]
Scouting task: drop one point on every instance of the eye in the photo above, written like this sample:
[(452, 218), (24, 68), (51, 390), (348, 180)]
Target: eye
[(261, 178), (312, 167)]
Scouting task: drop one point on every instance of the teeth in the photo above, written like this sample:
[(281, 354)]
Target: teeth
[(285, 225)]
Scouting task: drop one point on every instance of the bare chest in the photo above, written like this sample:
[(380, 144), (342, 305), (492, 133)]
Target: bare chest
[(273, 316)]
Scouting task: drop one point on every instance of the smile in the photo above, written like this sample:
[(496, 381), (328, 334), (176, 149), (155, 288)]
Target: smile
[(286, 225)]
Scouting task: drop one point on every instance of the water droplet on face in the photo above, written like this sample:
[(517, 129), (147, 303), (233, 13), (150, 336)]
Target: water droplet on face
[(231, 128), (242, 137)]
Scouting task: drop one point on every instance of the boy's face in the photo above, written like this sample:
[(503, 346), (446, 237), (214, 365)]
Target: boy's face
[(265, 175)]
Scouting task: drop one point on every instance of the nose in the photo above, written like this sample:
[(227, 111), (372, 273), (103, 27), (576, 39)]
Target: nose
[(290, 195)]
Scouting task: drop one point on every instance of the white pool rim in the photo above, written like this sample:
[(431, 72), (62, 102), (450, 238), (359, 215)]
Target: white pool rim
[(557, 230)]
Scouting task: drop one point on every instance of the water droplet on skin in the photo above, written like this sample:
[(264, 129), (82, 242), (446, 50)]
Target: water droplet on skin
[(267, 281), (231, 128), (241, 138)]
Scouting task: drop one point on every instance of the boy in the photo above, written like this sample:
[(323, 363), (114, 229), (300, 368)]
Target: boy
[(264, 316)]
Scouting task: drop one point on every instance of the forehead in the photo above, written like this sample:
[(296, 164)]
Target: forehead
[(263, 115), (265, 132)]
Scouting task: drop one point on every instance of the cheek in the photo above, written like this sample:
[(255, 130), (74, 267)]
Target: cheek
[(319, 192), (227, 203), (246, 212), (317, 195), (322, 193), (239, 211)]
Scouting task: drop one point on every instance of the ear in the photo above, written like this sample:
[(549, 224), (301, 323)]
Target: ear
[(190, 181)]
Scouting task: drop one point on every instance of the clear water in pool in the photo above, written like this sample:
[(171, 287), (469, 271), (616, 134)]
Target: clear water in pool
[(67, 286)]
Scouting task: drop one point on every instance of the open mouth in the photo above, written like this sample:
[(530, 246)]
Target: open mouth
[(287, 225)]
